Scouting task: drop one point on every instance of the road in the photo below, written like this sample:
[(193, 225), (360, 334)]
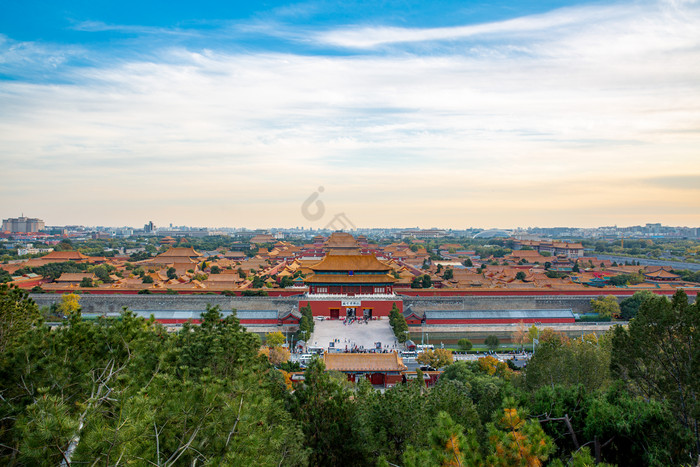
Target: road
[(651, 262)]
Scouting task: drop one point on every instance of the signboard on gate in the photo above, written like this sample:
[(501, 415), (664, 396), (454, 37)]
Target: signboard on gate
[(351, 302)]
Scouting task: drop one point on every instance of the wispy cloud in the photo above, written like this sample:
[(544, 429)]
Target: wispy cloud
[(99, 26), (684, 182), (26, 59), (558, 20)]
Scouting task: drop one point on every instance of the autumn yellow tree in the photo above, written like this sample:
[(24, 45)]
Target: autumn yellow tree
[(69, 304), (533, 332), (493, 367), (606, 306), (550, 335), (287, 380), (274, 339), (437, 358), (278, 355), (273, 350), (521, 335)]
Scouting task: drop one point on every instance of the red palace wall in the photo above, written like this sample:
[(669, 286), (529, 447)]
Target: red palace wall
[(498, 321), (324, 307), (591, 291)]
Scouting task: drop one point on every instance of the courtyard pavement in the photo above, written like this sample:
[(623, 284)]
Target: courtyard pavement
[(356, 334)]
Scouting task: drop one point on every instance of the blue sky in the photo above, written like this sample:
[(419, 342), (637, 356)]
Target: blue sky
[(449, 114)]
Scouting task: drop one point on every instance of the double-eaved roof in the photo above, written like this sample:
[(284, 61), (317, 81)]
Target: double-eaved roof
[(176, 255), (350, 269), (342, 243), (75, 276), (350, 263)]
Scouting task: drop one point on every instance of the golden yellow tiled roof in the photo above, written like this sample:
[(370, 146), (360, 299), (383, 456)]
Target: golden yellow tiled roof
[(350, 263), (363, 362)]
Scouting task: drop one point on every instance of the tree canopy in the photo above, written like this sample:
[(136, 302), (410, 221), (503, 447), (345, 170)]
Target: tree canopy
[(658, 355), (123, 390)]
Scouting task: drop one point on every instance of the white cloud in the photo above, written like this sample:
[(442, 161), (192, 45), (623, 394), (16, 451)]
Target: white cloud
[(610, 100)]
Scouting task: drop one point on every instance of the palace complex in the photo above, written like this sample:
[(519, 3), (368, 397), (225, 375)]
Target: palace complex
[(343, 276)]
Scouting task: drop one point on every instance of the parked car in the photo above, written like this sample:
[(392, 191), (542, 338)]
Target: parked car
[(305, 358)]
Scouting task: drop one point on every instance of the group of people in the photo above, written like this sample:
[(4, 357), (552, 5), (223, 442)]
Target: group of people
[(352, 347), (351, 319), (361, 349)]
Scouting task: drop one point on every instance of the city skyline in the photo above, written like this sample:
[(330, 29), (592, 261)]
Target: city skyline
[(442, 115), (648, 229)]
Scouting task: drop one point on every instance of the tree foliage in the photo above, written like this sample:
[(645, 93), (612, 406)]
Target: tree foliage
[(398, 324), (327, 414), (517, 441), (559, 360), (630, 305), (464, 344), (125, 391), (18, 313), (438, 358), (306, 323), (69, 305), (606, 306), (274, 339), (626, 279), (618, 427), (492, 342), (659, 356), (87, 282), (54, 270), (521, 335)]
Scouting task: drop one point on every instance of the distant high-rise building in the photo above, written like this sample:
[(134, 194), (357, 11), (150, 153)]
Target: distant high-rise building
[(22, 225), (149, 228)]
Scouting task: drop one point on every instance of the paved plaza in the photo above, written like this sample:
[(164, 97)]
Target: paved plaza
[(351, 335)]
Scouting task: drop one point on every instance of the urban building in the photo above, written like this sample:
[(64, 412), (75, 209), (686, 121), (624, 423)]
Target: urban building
[(22, 224)]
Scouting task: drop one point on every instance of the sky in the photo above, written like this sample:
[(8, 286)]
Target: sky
[(448, 114)]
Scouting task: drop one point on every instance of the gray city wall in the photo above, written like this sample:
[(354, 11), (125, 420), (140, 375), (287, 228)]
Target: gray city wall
[(576, 303), (115, 303)]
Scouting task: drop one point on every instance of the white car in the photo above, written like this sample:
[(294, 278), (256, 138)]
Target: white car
[(305, 358)]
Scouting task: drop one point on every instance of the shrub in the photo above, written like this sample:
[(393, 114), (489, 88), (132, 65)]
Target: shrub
[(464, 344), (492, 342)]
